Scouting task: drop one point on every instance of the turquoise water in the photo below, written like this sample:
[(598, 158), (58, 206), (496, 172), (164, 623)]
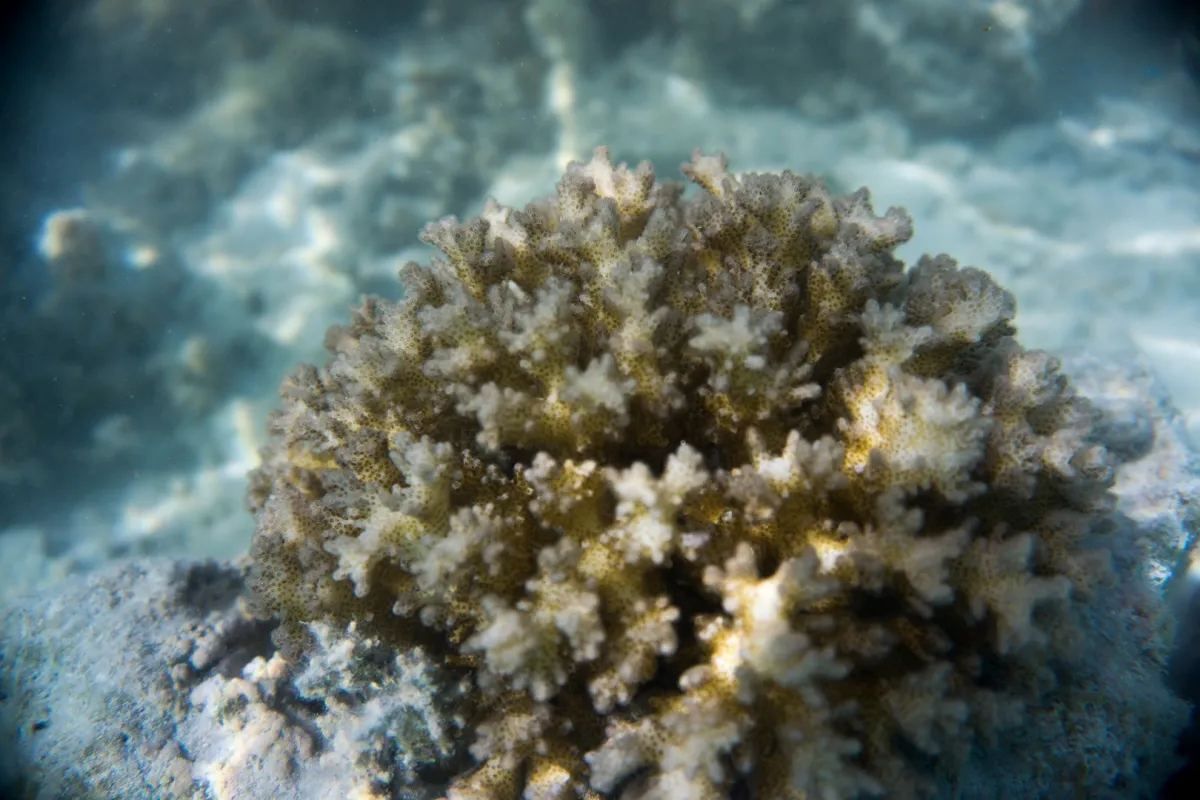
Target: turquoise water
[(192, 193)]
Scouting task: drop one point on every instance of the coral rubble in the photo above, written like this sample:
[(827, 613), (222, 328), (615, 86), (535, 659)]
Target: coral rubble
[(700, 492)]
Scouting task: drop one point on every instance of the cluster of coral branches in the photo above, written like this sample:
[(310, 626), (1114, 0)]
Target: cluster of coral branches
[(705, 494)]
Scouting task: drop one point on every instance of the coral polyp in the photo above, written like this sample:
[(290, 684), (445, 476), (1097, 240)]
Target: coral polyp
[(701, 490)]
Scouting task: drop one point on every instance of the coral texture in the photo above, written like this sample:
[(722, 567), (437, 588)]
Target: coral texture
[(705, 494)]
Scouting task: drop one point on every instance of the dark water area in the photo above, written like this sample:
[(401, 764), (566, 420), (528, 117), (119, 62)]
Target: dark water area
[(193, 193)]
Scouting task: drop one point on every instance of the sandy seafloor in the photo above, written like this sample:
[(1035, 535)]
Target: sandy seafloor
[(1088, 212), (1090, 216)]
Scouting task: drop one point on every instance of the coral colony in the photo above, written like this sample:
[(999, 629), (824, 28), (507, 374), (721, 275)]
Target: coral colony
[(698, 493)]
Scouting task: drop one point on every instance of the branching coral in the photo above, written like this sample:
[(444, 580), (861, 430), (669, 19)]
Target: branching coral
[(702, 493)]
